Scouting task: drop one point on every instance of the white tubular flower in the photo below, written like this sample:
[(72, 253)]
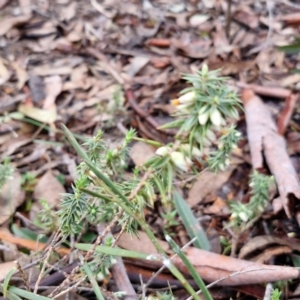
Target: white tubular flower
[(215, 117), (204, 70), (260, 208), (211, 135), (181, 162), (233, 215), (238, 134), (188, 98), (195, 151), (162, 151), (227, 162), (222, 167), (202, 118), (243, 216)]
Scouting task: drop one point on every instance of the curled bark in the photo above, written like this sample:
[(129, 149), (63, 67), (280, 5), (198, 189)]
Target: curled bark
[(265, 141)]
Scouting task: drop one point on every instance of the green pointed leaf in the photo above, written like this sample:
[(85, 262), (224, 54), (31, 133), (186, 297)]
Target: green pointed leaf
[(27, 295), (91, 278), (112, 251), (174, 124), (28, 234), (292, 48), (190, 267), (191, 223), (7, 280)]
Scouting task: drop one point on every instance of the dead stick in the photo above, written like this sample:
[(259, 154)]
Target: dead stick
[(265, 90)]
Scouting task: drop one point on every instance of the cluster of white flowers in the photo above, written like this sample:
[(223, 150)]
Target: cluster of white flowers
[(206, 112), (181, 158)]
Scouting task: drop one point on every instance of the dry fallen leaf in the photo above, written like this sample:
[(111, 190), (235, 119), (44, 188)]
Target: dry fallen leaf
[(68, 12), (11, 197), (136, 64), (37, 88), (6, 268), (140, 243), (23, 260), (49, 188), (25, 6), (48, 70), (12, 251), (21, 73), (140, 152), (247, 17), (29, 244), (53, 89), (198, 19), (285, 115), (205, 184), (9, 22), (3, 3), (261, 242), (42, 115), (4, 73)]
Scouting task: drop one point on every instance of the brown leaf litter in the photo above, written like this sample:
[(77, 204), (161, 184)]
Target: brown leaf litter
[(64, 62)]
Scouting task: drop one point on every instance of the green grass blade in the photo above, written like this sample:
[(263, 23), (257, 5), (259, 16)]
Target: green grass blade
[(173, 124), (7, 280), (292, 48), (190, 223), (26, 294), (112, 251), (9, 295), (168, 264), (91, 278), (190, 267)]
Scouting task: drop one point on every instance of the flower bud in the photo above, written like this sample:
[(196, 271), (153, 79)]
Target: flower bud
[(227, 162), (202, 118), (204, 70), (243, 216), (181, 162), (215, 117), (233, 215), (222, 166), (211, 135), (162, 151), (195, 151), (115, 152), (187, 98)]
